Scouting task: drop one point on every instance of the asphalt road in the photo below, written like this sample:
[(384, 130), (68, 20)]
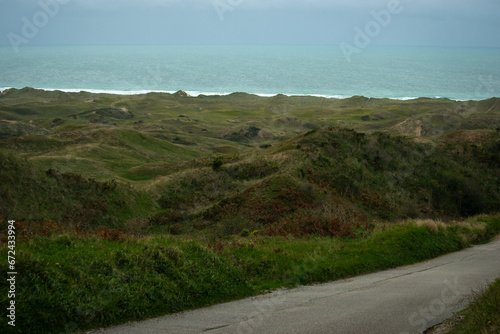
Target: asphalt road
[(404, 300)]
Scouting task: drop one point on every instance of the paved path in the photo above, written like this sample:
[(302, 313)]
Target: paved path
[(403, 300)]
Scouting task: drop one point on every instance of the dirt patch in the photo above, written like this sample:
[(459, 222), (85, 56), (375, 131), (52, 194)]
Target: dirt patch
[(410, 127), (445, 327)]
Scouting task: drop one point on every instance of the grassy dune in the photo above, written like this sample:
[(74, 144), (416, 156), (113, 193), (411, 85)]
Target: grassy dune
[(78, 130), (129, 207)]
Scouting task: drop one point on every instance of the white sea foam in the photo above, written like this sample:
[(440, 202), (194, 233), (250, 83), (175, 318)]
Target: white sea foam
[(403, 98), (264, 71), (198, 93), (190, 93), (105, 91)]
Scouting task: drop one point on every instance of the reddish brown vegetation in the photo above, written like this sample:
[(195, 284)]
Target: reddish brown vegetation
[(26, 230)]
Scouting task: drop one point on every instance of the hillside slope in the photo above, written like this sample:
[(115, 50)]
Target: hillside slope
[(242, 161), (29, 193), (111, 136), (333, 181)]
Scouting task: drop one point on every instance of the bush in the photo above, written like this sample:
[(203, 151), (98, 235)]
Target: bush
[(250, 171), (217, 163)]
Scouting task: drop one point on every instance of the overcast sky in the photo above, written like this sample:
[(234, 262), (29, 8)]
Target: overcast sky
[(231, 22)]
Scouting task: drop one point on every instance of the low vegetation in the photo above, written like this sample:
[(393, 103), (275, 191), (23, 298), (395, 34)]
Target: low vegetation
[(71, 281), (129, 207), (481, 316), (27, 192)]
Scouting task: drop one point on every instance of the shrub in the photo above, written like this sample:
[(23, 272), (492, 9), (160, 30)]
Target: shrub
[(254, 170), (217, 163)]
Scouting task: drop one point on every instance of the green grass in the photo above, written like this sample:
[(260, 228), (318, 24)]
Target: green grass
[(30, 193), (69, 282), (280, 261), (319, 182), (329, 178), (206, 122), (79, 169), (482, 315), (75, 283)]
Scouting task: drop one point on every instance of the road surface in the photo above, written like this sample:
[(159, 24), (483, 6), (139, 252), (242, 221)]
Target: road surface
[(403, 300)]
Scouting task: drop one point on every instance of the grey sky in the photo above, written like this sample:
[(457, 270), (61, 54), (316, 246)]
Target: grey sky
[(173, 22)]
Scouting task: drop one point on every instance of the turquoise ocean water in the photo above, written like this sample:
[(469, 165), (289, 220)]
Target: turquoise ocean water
[(390, 72)]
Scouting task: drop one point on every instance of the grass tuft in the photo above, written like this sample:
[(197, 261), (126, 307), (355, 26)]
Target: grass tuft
[(434, 226)]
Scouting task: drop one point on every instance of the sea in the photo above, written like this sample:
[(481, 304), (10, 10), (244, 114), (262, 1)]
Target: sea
[(378, 72)]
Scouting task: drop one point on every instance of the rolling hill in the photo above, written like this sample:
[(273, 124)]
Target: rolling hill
[(242, 161)]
